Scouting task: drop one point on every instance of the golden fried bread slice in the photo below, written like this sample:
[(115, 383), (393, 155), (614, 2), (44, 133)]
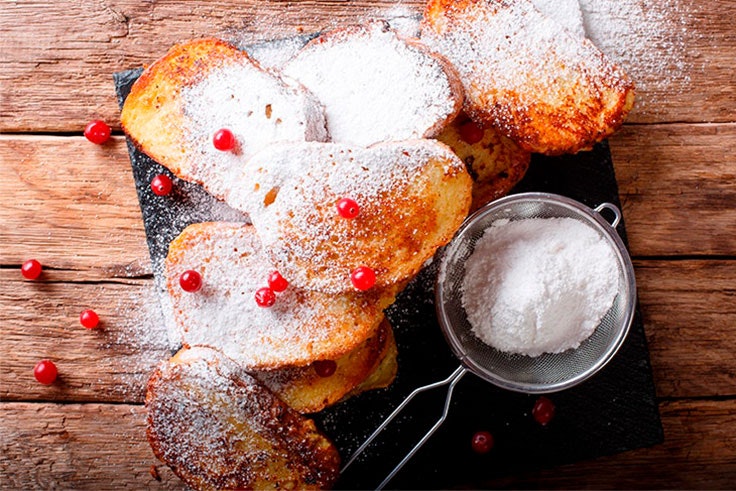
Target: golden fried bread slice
[(385, 373), (218, 428), (312, 388), (377, 86), (547, 89), (411, 196), (199, 87), (301, 327), (494, 162)]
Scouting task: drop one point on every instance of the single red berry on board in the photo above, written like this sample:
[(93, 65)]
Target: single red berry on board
[(161, 185), (324, 368), (97, 132), (89, 319), (31, 269), (265, 297), (224, 140), (363, 278), (190, 281), (470, 132), (348, 208), (45, 372), (482, 442), (543, 411), (277, 282)]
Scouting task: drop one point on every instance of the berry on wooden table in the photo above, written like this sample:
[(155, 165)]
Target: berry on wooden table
[(161, 185), (31, 269), (97, 131), (224, 140), (190, 281), (265, 297), (45, 372), (363, 278), (89, 319)]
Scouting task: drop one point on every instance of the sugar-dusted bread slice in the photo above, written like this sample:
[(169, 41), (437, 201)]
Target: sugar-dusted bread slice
[(301, 327), (377, 86), (199, 87), (371, 365), (412, 196), (547, 89), (218, 428), (495, 163)]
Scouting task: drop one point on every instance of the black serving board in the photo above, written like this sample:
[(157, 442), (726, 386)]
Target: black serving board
[(612, 412)]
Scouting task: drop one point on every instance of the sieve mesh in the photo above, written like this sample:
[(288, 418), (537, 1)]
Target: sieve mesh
[(547, 372)]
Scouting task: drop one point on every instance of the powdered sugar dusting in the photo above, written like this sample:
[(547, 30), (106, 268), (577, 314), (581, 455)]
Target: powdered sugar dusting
[(396, 186), (256, 106), (301, 327), (374, 86), (565, 12), (651, 40)]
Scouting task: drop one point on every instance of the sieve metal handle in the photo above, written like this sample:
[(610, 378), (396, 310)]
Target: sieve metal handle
[(613, 209), (452, 380)]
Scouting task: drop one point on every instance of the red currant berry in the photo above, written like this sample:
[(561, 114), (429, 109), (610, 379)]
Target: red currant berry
[(543, 411), (31, 269), (265, 297), (348, 208), (97, 132), (324, 368), (45, 372), (89, 319), (470, 132), (224, 140), (363, 278), (482, 442), (161, 185), (277, 282), (190, 281)]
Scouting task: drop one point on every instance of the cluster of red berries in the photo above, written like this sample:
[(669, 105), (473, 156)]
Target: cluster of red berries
[(363, 278), (266, 296), (45, 371)]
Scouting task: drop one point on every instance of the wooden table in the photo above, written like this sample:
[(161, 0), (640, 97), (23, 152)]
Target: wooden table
[(73, 206)]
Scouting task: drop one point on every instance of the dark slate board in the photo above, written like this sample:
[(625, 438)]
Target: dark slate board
[(612, 412)]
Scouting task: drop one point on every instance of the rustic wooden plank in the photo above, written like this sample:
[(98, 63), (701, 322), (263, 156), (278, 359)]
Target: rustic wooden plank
[(688, 309), (676, 187), (97, 446), (59, 78), (71, 205), (40, 319)]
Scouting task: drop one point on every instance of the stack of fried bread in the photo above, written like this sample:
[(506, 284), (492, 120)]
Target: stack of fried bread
[(413, 133)]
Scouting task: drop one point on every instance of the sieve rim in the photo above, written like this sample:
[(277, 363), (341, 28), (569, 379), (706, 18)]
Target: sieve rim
[(614, 345)]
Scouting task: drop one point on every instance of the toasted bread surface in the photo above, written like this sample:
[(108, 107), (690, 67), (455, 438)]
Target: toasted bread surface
[(306, 391), (377, 86), (384, 374), (547, 89), (217, 428), (201, 86), (412, 197), (495, 163), (301, 327)]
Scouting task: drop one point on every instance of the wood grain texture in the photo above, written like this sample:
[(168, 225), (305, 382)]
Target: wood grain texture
[(59, 77), (71, 205), (676, 187), (688, 308), (100, 447), (40, 319)]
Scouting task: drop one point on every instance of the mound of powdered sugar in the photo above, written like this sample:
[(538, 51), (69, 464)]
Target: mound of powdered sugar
[(538, 286)]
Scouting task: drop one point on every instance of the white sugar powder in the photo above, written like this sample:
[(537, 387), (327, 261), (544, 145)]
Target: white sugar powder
[(538, 286)]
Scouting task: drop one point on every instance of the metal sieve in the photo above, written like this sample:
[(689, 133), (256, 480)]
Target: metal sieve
[(541, 374)]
